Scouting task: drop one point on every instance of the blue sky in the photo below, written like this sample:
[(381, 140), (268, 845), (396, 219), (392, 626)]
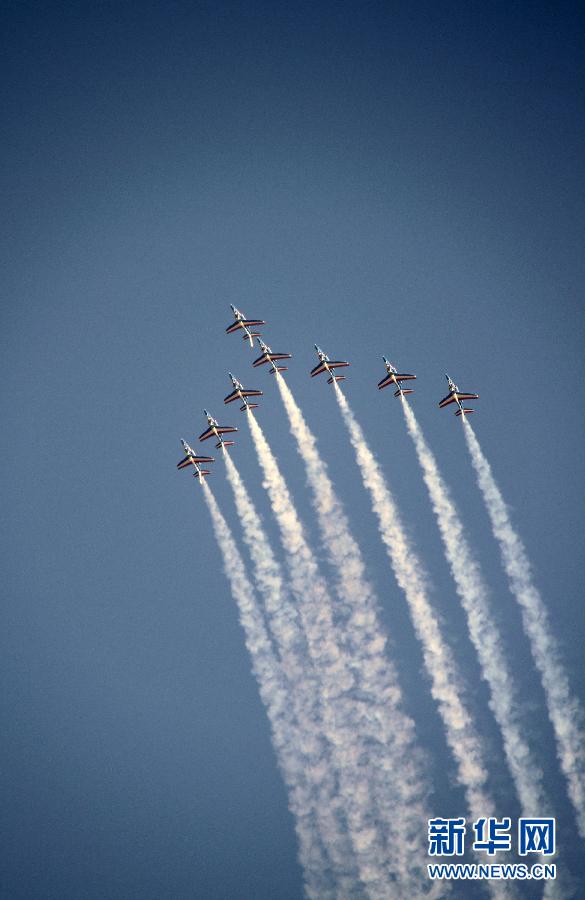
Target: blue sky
[(378, 178)]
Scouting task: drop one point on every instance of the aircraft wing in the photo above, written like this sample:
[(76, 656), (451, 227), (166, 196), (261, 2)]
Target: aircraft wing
[(323, 367), (210, 432), (243, 323), (467, 396), (237, 394), (261, 360), (216, 429), (404, 377), (450, 398), (270, 357), (385, 382), (194, 461)]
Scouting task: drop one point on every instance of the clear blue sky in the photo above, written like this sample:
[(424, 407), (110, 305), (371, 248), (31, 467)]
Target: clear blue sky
[(398, 179)]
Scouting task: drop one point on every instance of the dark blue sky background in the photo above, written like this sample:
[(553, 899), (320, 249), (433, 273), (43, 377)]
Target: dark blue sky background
[(381, 178)]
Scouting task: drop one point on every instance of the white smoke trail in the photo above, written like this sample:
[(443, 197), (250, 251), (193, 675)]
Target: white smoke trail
[(363, 631), (483, 630), (274, 695), (564, 710), (446, 682), (310, 744), (349, 717)]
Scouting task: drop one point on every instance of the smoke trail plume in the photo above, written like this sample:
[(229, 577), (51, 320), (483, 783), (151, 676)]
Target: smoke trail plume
[(482, 629), (363, 631), (446, 682), (274, 695), (564, 710), (363, 748), (310, 745)]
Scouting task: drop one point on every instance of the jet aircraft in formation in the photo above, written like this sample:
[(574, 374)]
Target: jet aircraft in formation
[(193, 459), (244, 324), (269, 357), (241, 323), (328, 365), (217, 430), (394, 377), (456, 396), (242, 393)]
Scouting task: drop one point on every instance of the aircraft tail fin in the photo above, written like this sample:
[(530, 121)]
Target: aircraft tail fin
[(464, 412), (403, 391), (336, 378), (201, 474), (248, 406), (225, 444), (279, 369)]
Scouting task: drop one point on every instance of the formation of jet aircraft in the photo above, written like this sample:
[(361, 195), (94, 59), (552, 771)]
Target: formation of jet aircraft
[(193, 460), (241, 393), (328, 365), (216, 430), (394, 377), (241, 323), (457, 396), (272, 358)]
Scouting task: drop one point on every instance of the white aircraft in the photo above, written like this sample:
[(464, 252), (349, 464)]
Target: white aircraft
[(269, 357), (216, 430), (328, 365), (193, 459), (394, 377), (241, 322), (242, 393), (456, 396)]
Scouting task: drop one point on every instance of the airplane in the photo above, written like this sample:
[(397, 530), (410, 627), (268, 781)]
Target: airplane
[(394, 377), (456, 396), (269, 357), (241, 393), (216, 430), (192, 458), (327, 365), (245, 324)]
